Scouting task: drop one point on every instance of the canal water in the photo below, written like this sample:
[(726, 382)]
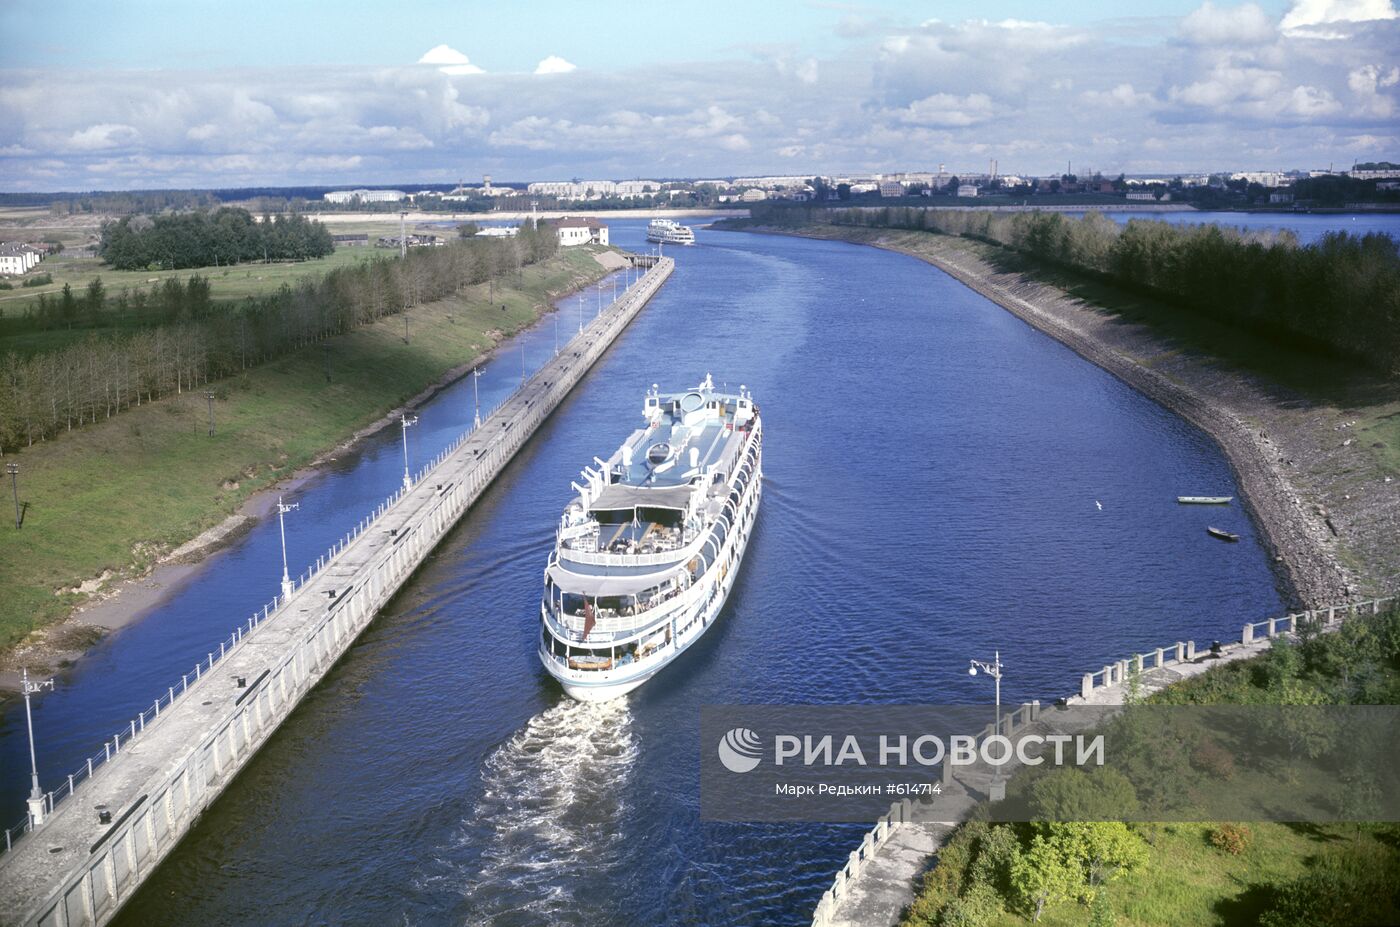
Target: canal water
[(942, 481)]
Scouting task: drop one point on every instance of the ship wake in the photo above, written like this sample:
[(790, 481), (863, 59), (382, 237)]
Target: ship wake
[(543, 844)]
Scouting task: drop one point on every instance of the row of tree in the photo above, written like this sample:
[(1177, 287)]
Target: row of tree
[(206, 340), (204, 239), (1340, 293)]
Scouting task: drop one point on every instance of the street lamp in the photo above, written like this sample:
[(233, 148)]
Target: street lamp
[(406, 421), (580, 310), (36, 794), (992, 669), (209, 396), (13, 470), (476, 397), (282, 510)]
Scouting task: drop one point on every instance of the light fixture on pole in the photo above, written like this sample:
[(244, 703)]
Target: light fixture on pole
[(992, 669), (476, 397), (282, 509), (407, 422), (36, 794), (13, 470), (580, 310), (209, 395)]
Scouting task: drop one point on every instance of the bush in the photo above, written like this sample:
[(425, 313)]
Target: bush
[(6, 285), (1231, 838), (1214, 760), (979, 906), (1355, 886), (38, 280)]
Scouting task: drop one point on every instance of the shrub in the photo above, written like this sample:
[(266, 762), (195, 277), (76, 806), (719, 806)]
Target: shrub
[(1231, 838), (979, 906), (1355, 886), (1214, 760), (38, 280)]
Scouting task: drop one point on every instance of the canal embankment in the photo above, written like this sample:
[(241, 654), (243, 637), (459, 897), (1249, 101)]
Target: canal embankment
[(90, 843), (119, 512), (1318, 475)]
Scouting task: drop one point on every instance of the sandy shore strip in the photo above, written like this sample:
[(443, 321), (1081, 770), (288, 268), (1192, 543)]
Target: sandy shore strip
[(1290, 465)]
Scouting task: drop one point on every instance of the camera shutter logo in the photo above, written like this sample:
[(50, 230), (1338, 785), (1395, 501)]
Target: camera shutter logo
[(740, 750)]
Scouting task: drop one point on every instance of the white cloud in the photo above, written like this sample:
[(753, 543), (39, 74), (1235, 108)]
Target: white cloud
[(555, 65), (1122, 95), (1370, 78), (806, 71), (1311, 102), (330, 163), (1209, 24), (946, 109), (449, 60), (1320, 18), (102, 136)]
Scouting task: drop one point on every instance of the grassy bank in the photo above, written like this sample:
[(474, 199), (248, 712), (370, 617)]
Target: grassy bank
[(114, 496), (1274, 874)]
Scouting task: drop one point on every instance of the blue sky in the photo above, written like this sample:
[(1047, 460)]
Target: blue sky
[(169, 94)]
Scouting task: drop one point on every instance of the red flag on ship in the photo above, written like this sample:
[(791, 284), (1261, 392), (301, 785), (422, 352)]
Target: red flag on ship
[(588, 618)]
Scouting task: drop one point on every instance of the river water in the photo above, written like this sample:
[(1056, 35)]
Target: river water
[(941, 481)]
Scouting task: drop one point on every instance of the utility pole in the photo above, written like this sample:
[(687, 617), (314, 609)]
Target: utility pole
[(13, 470), (36, 794), (403, 235), (580, 312), (209, 397), (476, 396), (992, 669), (282, 510), (522, 362), (407, 422)]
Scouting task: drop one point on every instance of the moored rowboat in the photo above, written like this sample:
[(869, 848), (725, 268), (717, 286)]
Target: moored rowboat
[(1222, 534), (1205, 500)]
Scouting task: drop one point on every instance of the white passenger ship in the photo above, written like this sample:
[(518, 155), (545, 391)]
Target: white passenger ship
[(670, 232), (647, 552)]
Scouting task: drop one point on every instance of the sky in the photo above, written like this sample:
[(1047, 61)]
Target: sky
[(162, 94)]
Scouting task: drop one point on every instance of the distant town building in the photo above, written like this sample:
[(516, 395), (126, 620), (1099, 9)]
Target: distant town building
[(365, 196), (1146, 197), (1280, 197), (414, 241), (579, 231), (19, 257), (891, 188), (753, 196), (498, 231), (594, 189), (966, 189), (351, 241)]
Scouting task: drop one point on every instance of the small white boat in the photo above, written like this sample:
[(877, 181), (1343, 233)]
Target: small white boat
[(1205, 500)]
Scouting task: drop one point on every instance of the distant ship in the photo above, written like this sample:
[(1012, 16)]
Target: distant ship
[(670, 232), (647, 552)]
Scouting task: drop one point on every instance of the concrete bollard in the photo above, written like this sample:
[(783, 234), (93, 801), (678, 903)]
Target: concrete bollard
[(1137, 663), (906, 809), (1086, 686), (896, 813), (1273, 627), (1190, 650), (1247, 635), (1161, 657), (1035, 709)]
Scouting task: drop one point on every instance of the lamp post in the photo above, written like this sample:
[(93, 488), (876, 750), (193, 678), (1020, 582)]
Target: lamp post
[(476, 397), (522, 362), (992, 669), (36, 794), (13, 470), (580, 311), (282, 510), (407, 422), (209, 397)]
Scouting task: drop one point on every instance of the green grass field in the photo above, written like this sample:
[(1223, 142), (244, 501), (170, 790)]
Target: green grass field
[(1189, 882), (115, 495)]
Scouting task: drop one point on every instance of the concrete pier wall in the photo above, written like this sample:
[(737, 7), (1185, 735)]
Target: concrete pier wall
[(75, 868)]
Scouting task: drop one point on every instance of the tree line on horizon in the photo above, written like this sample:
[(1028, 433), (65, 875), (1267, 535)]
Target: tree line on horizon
[(205, 340), (210, 239), (1340, 294)]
